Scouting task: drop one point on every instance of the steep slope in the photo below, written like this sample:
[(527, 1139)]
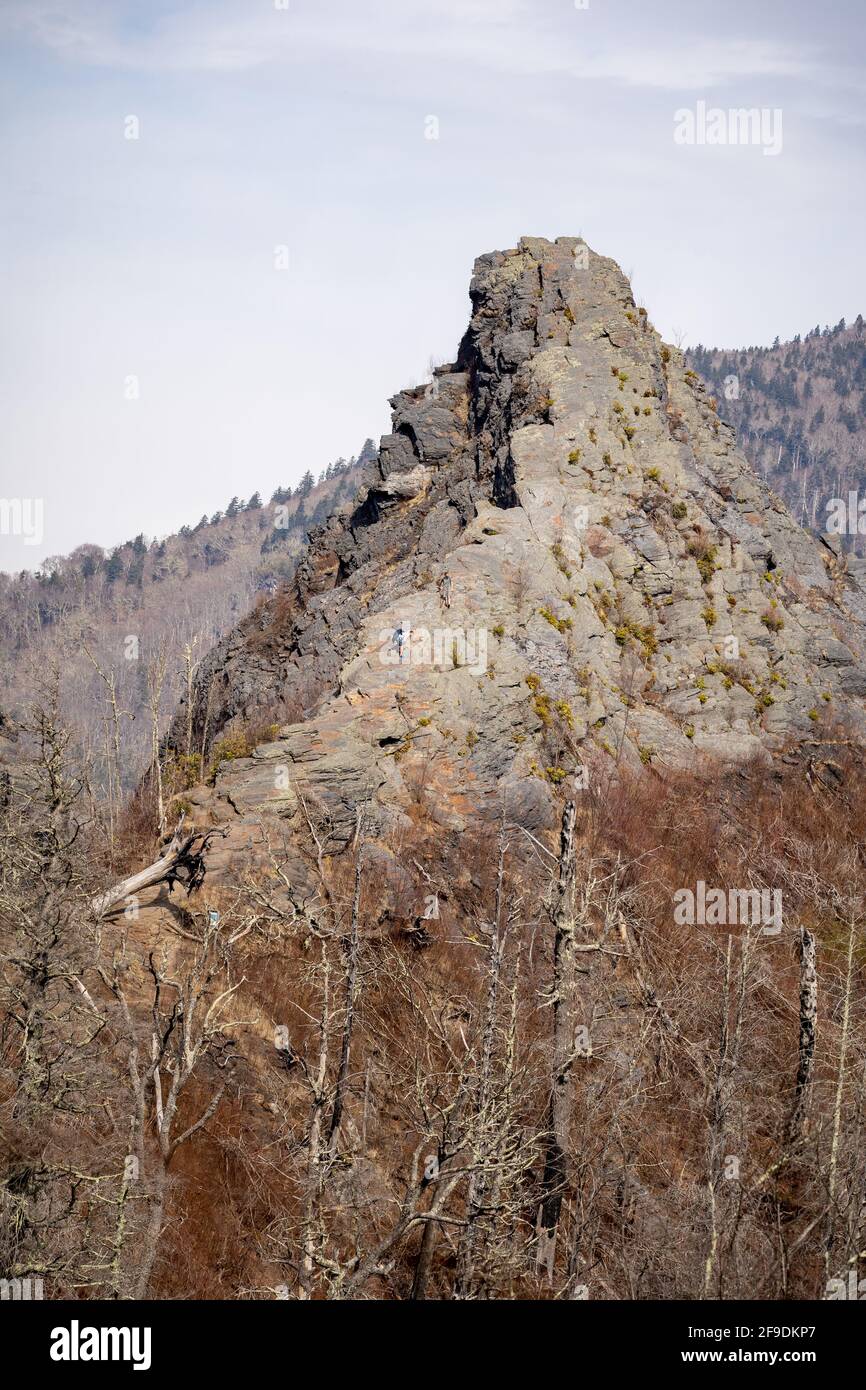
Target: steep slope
[(799, 410), (621, 583)]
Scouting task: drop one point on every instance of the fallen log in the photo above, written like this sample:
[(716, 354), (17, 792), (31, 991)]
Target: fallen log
[(182, 861)]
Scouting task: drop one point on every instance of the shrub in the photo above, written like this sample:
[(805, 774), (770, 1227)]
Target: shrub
[(561, 624), (183, 771), (574, 456), (678, 511), (643, 633), (541, 705), (230, 746), (498, 630), (563, 709), (704, 554), (558, 554), (773, 621)]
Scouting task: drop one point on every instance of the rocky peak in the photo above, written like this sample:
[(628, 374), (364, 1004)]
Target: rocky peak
[(622, 587)]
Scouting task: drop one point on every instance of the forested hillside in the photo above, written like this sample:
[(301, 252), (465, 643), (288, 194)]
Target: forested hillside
[(126, 627), (799, 410)]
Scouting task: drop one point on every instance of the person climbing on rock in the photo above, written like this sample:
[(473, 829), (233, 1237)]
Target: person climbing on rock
[(445, 589), (400, 641)]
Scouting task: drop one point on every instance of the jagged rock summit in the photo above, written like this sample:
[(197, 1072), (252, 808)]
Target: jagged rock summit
[(622, 586)]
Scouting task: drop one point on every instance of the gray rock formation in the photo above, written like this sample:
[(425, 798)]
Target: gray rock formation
[(621, 584)]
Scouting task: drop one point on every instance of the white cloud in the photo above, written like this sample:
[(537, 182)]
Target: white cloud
[(698, 66), (509, 36)]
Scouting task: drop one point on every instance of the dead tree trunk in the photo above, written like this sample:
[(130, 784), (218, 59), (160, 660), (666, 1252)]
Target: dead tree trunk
[(425, 1261), (478, 1180), (808, 1029), (182, 861), (349, 1020), (310, 1212), (559, 1113), (844, 1039)]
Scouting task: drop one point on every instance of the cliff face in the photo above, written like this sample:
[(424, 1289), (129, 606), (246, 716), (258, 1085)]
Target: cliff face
[(621, 583)]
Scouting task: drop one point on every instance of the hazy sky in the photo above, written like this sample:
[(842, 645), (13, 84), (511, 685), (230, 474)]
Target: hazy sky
[(305, 127)]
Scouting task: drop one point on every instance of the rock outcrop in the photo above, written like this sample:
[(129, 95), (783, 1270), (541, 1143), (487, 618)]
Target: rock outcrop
[(622, 586)]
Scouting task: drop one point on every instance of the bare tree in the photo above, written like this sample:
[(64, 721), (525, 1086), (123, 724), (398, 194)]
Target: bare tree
[(559, 1114), (184, 1038)]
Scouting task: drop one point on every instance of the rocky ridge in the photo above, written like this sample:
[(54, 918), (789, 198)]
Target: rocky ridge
[(622, 585)]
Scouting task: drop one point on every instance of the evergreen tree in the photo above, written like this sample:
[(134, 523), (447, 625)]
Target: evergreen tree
[(135, 573), (113, 567)]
